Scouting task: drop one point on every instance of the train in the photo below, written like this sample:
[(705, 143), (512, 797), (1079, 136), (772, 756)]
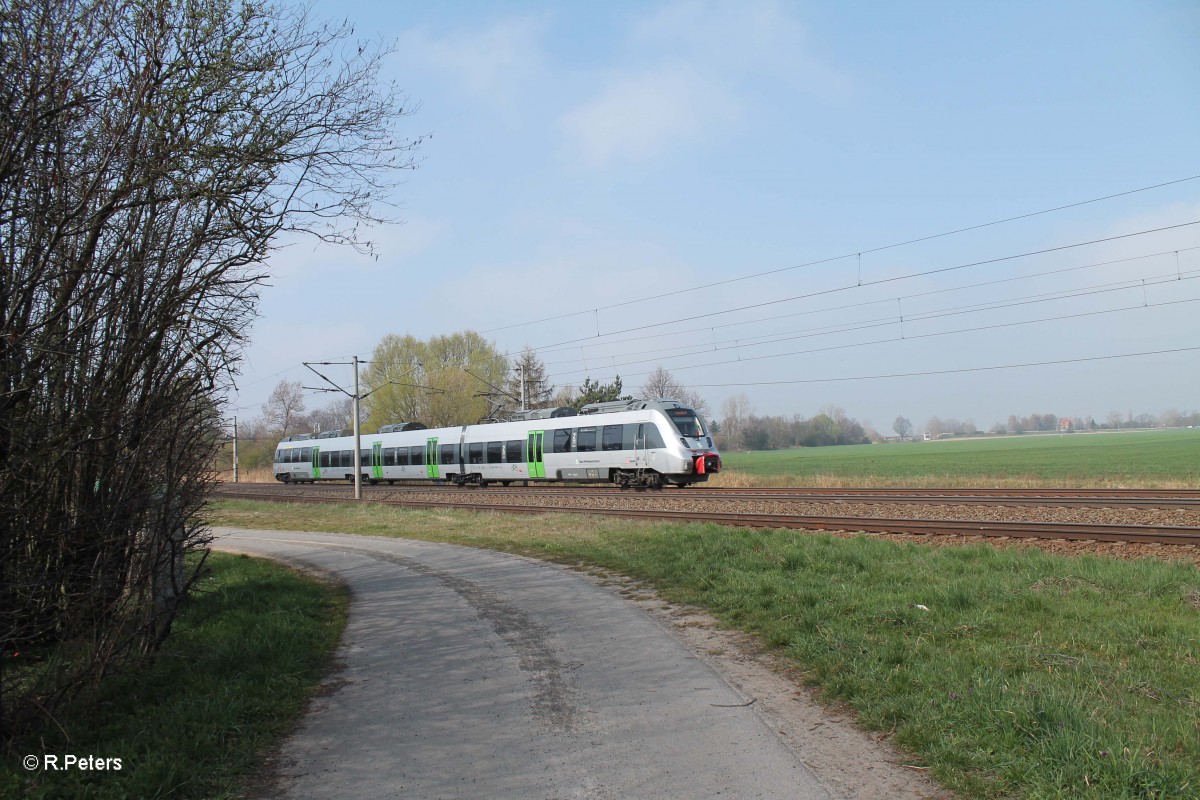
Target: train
[(628, 443)]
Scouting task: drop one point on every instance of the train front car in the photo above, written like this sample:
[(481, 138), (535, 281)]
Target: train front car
[(695, 457)]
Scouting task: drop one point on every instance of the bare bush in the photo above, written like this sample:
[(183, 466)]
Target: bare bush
[(150, 156)]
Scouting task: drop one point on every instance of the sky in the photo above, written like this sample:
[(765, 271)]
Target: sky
[(891, 208)]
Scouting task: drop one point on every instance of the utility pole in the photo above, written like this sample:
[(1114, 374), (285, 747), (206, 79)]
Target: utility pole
[(521, 366), (235, 460), (357, 439), (356, 397)]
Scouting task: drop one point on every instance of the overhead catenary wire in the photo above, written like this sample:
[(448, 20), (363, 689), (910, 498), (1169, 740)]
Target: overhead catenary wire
[(910, 337), (987, 368), (877, 282), (712, 328), (856, 253), (919, 316)]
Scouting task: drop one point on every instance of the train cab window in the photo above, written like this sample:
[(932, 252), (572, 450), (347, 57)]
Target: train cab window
[(278, 456), (611, 438), (686, 422), (514, 451), (416, 455), (562, 440), (475, 453), (448, 454), (495, 452), (585, 440)]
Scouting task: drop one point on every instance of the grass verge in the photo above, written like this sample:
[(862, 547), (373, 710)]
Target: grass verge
[(1008, 673), (245, 656)]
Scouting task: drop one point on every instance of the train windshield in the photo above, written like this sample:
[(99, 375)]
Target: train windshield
[(687, 422)]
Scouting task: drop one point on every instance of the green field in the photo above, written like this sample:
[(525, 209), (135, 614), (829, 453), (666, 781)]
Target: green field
[(1144, 458)]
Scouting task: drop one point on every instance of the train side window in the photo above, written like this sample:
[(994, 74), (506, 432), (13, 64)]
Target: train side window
[(514, 451), (416, 455), (653, 437), (324, 460), (278, 456), (562, 440), (585, 440), (495, 452), (448, 454), (305, 455), (401, 456), (475, 453), (295, 455), (612, 437), (347, 458), (366, 459), (629, 436), (389, 456)]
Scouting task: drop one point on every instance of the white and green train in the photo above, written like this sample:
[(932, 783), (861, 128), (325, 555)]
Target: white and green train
[(627, 443)]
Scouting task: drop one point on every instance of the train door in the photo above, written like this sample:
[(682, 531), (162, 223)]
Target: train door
[(316, 462), (536, 455), (431, 457), (377, 460)]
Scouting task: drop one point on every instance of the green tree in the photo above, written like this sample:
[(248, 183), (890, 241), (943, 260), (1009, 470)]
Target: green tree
[(595, 392), (447, 380)]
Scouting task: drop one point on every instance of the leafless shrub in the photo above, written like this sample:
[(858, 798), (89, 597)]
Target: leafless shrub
[(150, 156)]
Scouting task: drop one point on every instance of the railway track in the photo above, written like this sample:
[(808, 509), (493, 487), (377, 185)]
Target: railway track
[(502, 500), (1061, 498)]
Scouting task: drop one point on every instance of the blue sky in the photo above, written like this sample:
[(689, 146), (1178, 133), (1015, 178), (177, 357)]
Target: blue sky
[(588, 155)]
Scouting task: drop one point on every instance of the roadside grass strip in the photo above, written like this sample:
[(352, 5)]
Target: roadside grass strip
[(246, 654), (1004, 672)]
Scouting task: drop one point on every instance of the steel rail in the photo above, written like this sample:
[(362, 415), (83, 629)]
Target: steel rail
[(1133, 534)]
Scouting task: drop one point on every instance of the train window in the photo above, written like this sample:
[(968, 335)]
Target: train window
[(653, 437), (389, 456), (401, 456), (347, 458), (448, 454), (475, 453), (562, 440), (416, 455), (514, 451), (495, 452), (629, 436), (324, 458), (686, 421), (585, 440), (295, 455), (612, 437), (278, 456), (305, 455), (366, 459)]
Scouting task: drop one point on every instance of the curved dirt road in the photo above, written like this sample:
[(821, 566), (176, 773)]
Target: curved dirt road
[(467, 673)]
